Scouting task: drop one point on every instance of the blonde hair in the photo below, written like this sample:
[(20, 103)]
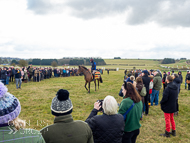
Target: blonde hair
[(110, 105), (17, 123), (151, 76)]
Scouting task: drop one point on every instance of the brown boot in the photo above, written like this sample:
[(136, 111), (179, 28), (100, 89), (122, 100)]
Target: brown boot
[(167, 134)]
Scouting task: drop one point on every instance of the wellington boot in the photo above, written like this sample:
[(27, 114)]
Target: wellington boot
[(167, 134), (173, 133)]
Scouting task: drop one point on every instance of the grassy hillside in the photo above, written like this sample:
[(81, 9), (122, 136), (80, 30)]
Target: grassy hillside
[(36, 100)]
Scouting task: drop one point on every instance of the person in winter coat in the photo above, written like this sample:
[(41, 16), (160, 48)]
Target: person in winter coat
[(164, 80), (146, 82), (8, 75), (12, 74), (139, 87), (132, 121), (168, 106), (157, 84), (18, 78), (103, 129), (187, 79), (30, 69), (4, 76), (181, 79), (25, 75), (177, 82), (65, 129), (12, 129)]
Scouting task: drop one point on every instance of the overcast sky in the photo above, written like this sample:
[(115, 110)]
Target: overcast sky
[(95, 28)]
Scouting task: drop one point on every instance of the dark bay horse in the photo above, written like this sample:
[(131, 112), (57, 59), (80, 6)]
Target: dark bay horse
[(88, 77)]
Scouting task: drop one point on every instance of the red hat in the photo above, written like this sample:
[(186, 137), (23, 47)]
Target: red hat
[(91, 59)]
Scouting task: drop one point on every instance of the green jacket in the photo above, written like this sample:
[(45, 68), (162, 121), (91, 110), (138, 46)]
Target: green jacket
[(8, 135), (133, 117), (157, 82), (65, 130)]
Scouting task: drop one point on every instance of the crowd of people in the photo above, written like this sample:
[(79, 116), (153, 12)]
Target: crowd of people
[(35, 74), (139, 91)]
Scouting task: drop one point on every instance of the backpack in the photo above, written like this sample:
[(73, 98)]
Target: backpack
[(151, 85), (143, 91)]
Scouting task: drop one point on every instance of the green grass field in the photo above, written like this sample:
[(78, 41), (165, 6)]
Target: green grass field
[(36, 100)]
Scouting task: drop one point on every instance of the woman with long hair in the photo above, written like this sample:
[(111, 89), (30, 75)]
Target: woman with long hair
[(131, 101)]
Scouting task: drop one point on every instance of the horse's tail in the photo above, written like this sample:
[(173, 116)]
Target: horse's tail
[(101, 81)]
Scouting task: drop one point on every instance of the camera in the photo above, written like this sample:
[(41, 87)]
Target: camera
[(101, 103)]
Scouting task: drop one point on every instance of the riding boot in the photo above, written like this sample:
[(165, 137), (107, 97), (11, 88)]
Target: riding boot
[(93, 77), (166, 134)]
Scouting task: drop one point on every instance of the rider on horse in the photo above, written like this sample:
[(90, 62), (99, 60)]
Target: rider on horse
[(93, 69)]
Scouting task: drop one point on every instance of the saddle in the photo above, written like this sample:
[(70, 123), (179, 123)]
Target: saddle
[(96, 75)]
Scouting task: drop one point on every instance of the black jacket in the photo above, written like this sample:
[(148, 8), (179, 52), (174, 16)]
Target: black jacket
[(164, 78), (168, 102), (177, 82), (106, 128), (18, 74), (187, 77), (146, 82), (181, 78), (3, 74)]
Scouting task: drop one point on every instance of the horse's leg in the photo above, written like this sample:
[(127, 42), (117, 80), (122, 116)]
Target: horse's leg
[(95, 84), (85, 85), (88, 87)]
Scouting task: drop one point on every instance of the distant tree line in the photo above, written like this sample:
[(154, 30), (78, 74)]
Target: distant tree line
[(183, 59), (168, 61), (60, 62), (117, 57)]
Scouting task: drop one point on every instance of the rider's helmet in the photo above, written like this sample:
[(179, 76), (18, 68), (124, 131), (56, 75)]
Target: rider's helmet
[(91, 60)]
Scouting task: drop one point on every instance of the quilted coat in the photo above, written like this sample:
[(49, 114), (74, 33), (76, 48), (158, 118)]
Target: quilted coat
[(106, 128)]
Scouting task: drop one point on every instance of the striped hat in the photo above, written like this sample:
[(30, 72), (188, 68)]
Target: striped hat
[(61, 104), (9, 105)]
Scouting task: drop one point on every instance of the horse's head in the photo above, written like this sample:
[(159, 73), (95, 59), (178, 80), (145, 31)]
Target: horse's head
[(79, 70)]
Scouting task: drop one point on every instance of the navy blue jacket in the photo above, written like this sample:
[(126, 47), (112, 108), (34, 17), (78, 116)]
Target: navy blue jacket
[(17, 74)]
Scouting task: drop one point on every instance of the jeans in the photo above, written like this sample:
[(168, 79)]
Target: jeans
[(20, 82), (7, 80), (169, 119), (130, 137), (155, 94)]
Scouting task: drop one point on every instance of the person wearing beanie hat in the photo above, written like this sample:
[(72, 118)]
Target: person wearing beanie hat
[(11, 127), (65, 129)]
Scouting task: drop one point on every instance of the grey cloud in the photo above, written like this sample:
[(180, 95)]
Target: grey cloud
[(166, 13), (42, 7)]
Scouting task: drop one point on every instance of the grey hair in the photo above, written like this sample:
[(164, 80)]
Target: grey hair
[(132, 78), (110, 105)]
